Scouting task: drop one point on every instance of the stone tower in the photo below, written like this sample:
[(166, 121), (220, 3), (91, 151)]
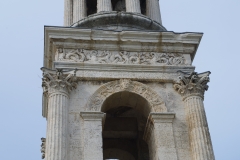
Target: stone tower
[(118, 85)]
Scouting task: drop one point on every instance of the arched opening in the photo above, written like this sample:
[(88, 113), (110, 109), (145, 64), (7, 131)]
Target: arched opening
[(118, 5), (126, 117), (91, 7)]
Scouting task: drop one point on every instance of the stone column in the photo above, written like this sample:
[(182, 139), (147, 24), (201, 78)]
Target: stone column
[(79, 10), (192, 87), (56, 87), (159, 135), (104, 5), (153, 10), (68, 12), (133, 6), (92, 135)]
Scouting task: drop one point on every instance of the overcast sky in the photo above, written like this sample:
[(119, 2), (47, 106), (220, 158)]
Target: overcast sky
[(21, 27)]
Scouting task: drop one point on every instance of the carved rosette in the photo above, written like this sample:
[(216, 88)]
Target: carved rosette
[(192, 84), (96, 100), (58, 81)]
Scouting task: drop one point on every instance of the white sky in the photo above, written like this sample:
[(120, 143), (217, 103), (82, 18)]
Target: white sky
[(21, 30)]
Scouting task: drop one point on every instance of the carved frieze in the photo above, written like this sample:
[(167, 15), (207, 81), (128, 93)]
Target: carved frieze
[(43, 147), (58, 80), (95, 102), (192, 84), (122, 57)]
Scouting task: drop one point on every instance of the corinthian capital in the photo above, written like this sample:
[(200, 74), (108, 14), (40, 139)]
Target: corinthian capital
[(191, 84), (58, 80)]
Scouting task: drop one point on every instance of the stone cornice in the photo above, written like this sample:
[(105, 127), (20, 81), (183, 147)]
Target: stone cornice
[(131, 41), (192, 84)]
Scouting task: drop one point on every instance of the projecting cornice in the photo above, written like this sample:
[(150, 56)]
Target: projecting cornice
[(130, 41)]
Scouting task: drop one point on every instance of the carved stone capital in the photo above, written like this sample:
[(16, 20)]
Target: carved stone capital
[(193, 84), (43, 147), (58, 81)]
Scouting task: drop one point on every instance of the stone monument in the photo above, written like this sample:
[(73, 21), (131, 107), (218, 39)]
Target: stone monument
[(118, 85)]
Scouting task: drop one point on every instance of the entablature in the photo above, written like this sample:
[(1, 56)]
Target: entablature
[(144, 49)]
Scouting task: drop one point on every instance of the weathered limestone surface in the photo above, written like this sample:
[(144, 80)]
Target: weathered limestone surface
[(56, 89), (125, 74), (92, 135), (68, 10), (79, 10), (159, 128), (133, 6), (192, 87), (104, 5), (153, 10)]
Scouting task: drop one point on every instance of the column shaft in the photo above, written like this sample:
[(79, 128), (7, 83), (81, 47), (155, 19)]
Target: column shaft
[(79, 10), (104, 5), (56, 140), (68, 12), (133, 6), (200, 140), (153, 10)]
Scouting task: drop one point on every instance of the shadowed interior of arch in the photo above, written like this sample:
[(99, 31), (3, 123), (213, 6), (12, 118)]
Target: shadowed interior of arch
[(126, 117)]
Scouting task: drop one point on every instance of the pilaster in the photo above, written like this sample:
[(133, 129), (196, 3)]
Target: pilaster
[(92, 133), (56, 86), (104, 5), (133, 6), (192, 87), (153, 10), (159, 135)]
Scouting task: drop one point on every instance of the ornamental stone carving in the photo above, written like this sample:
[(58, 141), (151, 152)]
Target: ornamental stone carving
[(58, 80), (192, 84), (96, 100), (123, 57), (43, 146)]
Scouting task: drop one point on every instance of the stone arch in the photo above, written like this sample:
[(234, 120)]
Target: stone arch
[(96, 101)]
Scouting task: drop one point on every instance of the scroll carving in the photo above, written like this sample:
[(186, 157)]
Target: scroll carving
[(123, 57), (192, 84), (58, 80), (43, 146), (95, 102)]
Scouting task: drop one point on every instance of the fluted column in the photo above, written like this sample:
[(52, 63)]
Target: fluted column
[(159, 135), (56, 89), (104, 5), (68, 12), (92, 135), (79, 10), (153, 10), (192, 87), (133, 6)]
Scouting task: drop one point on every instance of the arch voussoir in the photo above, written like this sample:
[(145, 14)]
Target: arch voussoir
[(96, 101)]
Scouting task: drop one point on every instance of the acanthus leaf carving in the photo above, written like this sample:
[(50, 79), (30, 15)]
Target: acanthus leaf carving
[(58, 80), (192, 83), (122, 57), (43, 147)]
